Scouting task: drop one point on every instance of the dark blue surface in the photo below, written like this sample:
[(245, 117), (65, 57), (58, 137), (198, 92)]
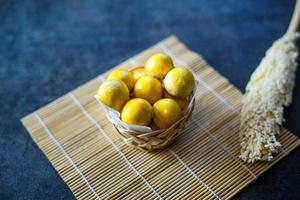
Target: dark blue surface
[(49, 47)]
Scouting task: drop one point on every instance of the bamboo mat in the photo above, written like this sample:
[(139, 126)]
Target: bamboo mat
[(87, 152)]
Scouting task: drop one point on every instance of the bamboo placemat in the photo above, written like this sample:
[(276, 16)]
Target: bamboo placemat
[(87, 152)]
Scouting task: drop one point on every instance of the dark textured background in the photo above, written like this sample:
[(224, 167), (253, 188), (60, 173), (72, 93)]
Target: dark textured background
[(49, 47)]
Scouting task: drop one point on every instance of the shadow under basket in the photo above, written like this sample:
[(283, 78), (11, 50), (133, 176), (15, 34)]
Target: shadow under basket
[(156, 139)]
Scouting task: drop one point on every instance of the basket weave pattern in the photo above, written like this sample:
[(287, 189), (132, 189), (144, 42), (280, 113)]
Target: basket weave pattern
[(157, 139)]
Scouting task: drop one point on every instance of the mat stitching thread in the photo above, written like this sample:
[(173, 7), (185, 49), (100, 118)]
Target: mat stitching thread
[(73, 97), (224, 148), (134, 63), (49, 134), (168, 51), (194, 175)]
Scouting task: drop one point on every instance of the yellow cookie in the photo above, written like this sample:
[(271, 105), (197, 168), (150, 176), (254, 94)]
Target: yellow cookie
[(137, 112), (148, 88), (159, 65), (179, 82), (113, 93), (166, 113), (182, 102), (138, 72), (123, 75)]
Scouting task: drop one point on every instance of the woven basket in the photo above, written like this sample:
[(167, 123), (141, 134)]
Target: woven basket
[(157, 139), (147, 139)]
